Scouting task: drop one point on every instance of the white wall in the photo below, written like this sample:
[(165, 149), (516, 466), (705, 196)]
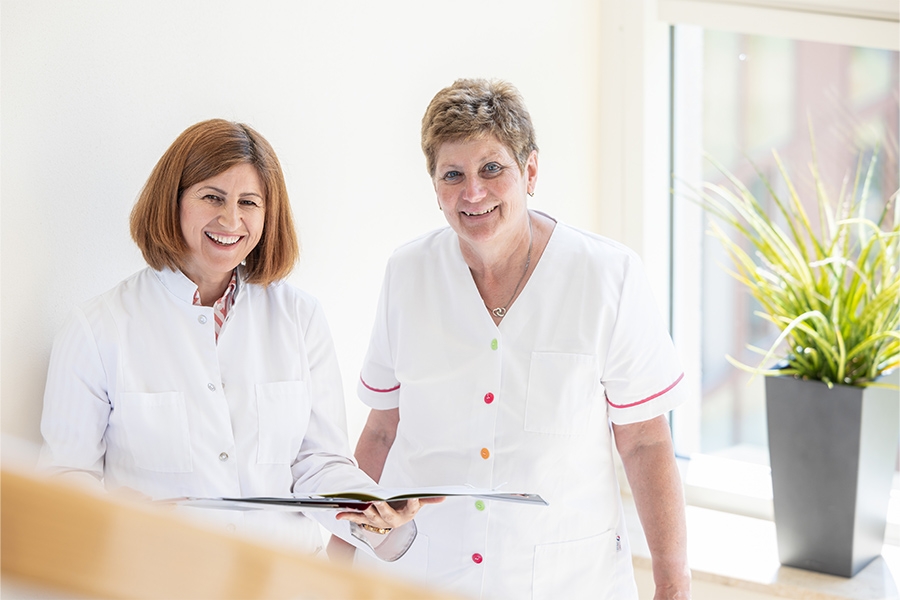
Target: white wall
[(94, 91)]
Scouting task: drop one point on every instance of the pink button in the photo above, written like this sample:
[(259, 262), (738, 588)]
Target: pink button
[(477, 558), (488, 398)]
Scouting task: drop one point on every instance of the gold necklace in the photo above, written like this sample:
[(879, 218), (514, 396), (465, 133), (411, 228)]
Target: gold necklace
[(500, 311)]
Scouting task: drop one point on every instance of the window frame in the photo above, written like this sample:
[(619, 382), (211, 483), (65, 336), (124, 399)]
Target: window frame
[(870, 23), (637, 150)]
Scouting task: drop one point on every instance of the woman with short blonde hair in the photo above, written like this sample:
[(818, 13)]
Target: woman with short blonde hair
[(522, 353)]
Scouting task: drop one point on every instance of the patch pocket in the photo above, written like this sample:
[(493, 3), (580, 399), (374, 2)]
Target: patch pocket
[(562, 389), (562, 570), (282, 410), (156, 427)]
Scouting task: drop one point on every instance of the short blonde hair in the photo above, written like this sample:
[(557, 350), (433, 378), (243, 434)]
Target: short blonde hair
[(474, 108), (205, 150)]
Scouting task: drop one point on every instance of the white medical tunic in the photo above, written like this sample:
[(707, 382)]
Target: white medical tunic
[(139, 394), (524, 407)]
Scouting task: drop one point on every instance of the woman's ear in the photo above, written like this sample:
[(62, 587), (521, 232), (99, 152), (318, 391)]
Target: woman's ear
[(531, 172)]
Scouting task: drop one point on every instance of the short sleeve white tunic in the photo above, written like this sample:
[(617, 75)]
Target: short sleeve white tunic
[(524, 406)]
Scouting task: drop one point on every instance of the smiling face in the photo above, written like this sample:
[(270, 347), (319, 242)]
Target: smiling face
[(222, 221), (482, 192)]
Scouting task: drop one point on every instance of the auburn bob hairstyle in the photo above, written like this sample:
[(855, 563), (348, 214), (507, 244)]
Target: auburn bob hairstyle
[(476, 108), (202, 151)]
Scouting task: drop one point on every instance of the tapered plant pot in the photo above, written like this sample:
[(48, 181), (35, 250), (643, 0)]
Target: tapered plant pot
[(832, 453)]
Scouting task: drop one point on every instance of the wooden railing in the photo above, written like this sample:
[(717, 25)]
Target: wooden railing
[(58, 537)]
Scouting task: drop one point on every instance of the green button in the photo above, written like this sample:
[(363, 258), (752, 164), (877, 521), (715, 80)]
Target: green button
[(494, 344), (479, 505)]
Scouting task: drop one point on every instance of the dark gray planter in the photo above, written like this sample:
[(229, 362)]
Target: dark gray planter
[(832, 453)]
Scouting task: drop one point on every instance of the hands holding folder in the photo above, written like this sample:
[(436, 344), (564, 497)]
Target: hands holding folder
[(355, 500)]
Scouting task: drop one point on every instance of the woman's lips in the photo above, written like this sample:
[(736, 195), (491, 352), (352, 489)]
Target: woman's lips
[(224, 240), (478, 214)]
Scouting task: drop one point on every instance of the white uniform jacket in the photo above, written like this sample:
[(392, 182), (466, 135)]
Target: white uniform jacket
[(140, 394), (524, 406)]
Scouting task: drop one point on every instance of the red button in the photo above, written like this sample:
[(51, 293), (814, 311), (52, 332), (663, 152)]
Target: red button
[(488, 398), (477, 558)]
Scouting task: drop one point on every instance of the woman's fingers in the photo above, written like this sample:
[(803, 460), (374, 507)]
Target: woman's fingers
[(436, 500), (384, 512), (373, 516), (388, 515)]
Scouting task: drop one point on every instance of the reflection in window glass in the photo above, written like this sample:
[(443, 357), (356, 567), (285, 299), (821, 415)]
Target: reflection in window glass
[(761, 94), (767, 75)]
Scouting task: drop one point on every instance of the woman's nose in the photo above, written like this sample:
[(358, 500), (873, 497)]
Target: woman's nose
[(474, 191), (229, 215)]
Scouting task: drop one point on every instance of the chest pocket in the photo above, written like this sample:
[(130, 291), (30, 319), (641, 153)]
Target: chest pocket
[(283, 411), (561, 392), (156, 427)]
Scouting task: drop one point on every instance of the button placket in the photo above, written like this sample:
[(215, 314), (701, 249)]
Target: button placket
[(224, 456), (483, 432), (483, 435)]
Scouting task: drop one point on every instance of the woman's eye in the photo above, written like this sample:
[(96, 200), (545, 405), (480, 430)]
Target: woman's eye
[(492, 168), (249, 202), (452, 175), (212, 198)]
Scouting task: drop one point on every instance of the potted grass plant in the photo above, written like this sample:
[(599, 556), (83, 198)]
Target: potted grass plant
[(829, 280)]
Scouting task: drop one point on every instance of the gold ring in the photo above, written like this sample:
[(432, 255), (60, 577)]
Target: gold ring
[(373, 529)]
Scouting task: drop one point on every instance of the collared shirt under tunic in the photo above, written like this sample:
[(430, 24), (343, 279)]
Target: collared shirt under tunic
[(222, 305), (141, 394), (524, 406)]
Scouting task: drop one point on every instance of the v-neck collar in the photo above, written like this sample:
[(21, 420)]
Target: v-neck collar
[(465, 280)]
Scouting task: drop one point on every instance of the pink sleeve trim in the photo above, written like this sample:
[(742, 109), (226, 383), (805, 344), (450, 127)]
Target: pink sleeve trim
[(370, 388), (647, 399)]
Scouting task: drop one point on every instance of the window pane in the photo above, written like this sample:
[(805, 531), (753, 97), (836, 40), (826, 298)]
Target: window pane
[(759, 94)]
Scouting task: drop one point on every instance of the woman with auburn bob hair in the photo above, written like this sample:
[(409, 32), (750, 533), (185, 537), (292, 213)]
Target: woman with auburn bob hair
[(203, 151), (513, 351), (205, 374)]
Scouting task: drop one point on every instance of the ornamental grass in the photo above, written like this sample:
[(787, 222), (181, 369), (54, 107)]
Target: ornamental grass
[(833, 290)]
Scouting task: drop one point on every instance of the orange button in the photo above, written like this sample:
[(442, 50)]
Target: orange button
[(488, 398), (485, 453)]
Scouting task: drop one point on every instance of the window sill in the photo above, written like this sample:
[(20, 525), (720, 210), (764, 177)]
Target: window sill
[(745, 488), (738, 552)]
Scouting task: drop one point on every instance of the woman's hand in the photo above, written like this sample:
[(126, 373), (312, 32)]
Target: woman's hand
[(388, 515)]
